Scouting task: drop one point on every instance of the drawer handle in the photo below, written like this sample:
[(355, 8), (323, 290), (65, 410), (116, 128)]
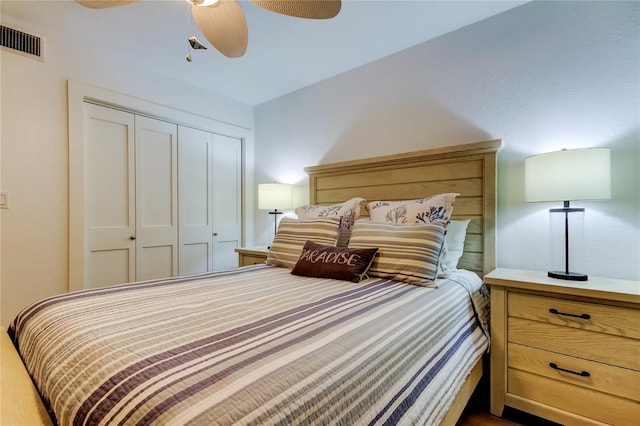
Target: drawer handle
[(581, 373), (583, 316)]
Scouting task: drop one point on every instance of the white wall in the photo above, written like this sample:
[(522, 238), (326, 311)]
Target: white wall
[(34, 168), (541, 77)]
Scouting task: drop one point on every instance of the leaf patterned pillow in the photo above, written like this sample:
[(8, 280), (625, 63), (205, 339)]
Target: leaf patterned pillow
[(437, 208), (349, 211)]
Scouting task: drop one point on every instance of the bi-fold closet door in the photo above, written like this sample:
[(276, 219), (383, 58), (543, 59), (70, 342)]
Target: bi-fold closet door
[(152, 192), (156, 198), (209, 203)]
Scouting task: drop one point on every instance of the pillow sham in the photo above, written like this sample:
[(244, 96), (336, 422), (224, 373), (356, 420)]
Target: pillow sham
[(349, 211), (454, 242), (437, 208), (407, 252), (449, 257), (294, 233), (340, 263)]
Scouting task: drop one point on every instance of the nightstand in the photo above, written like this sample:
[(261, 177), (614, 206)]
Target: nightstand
[(251, 256), (566, 351)]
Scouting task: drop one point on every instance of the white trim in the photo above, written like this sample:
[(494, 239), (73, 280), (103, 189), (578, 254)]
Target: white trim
[(78, 93)]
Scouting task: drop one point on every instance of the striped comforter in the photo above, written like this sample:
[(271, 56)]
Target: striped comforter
[(254, 346)]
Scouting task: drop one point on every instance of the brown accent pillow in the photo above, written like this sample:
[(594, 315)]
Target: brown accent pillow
[(340, 263)]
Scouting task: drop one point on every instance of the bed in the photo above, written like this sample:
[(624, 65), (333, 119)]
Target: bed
[(260, 345)]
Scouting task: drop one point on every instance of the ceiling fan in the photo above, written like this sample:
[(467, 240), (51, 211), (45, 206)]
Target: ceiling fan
[(223, 23)]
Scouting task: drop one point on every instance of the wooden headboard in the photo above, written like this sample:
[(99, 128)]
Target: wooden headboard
[(469, 170)]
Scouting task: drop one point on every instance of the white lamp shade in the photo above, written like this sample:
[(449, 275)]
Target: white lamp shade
[(275, 196), (575, 174)]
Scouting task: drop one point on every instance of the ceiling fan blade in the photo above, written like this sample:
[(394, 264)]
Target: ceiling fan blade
[(103, 4), (224, 25), (311, 9)]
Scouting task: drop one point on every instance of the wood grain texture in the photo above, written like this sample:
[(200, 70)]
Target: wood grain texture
[(573, 399), (602, 377), (599, 347), (468, 169), (597, 333), (498, 349), (604, 290), (601, 318), (251, 256)]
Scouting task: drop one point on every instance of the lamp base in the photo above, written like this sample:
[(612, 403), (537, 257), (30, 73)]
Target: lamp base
[(571, 276), (275, 214)]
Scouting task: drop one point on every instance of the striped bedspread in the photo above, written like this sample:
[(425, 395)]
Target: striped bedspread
[(253, 346)]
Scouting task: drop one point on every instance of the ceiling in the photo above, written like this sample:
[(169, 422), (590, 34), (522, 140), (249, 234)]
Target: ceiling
[(284, 53)]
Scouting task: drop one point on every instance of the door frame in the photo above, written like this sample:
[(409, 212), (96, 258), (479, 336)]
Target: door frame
[(79, 93)]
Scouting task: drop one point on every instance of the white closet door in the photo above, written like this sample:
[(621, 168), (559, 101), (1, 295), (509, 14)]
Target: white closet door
[(156, 199), (227, 200), (195, 200), (109, 196)]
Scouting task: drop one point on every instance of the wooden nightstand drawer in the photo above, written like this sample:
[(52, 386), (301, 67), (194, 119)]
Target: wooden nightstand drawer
[(605, 348), (252, 260), (588, 316), (588, 374), (585, 402), (546, 332), (252, 256)]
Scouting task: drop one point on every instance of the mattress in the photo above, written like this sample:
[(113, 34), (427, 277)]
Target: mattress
[(255, 346)]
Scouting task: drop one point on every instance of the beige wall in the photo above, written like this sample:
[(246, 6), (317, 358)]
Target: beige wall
[(34, 173), (541, 77)]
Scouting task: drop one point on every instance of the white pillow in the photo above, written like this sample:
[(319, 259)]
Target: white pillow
[(454, 242)]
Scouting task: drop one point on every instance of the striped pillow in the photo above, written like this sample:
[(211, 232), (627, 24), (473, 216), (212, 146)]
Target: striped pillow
[(349, 211), (435, 208), (407, 252), (293, 234)]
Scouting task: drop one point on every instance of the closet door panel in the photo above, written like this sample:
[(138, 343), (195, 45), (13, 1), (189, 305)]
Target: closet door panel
[(195, 200), (110, 266), (156, 261), (156, 199), (194, 258), (109, 196), (227, 200)]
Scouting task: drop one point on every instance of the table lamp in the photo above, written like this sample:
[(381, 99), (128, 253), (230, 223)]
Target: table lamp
[(275, 197), (568, 175)]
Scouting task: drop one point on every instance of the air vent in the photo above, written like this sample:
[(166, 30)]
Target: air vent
[(23, 43)]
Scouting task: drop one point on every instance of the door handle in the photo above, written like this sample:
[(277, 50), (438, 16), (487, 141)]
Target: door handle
[(133, 237), (215, 234)]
